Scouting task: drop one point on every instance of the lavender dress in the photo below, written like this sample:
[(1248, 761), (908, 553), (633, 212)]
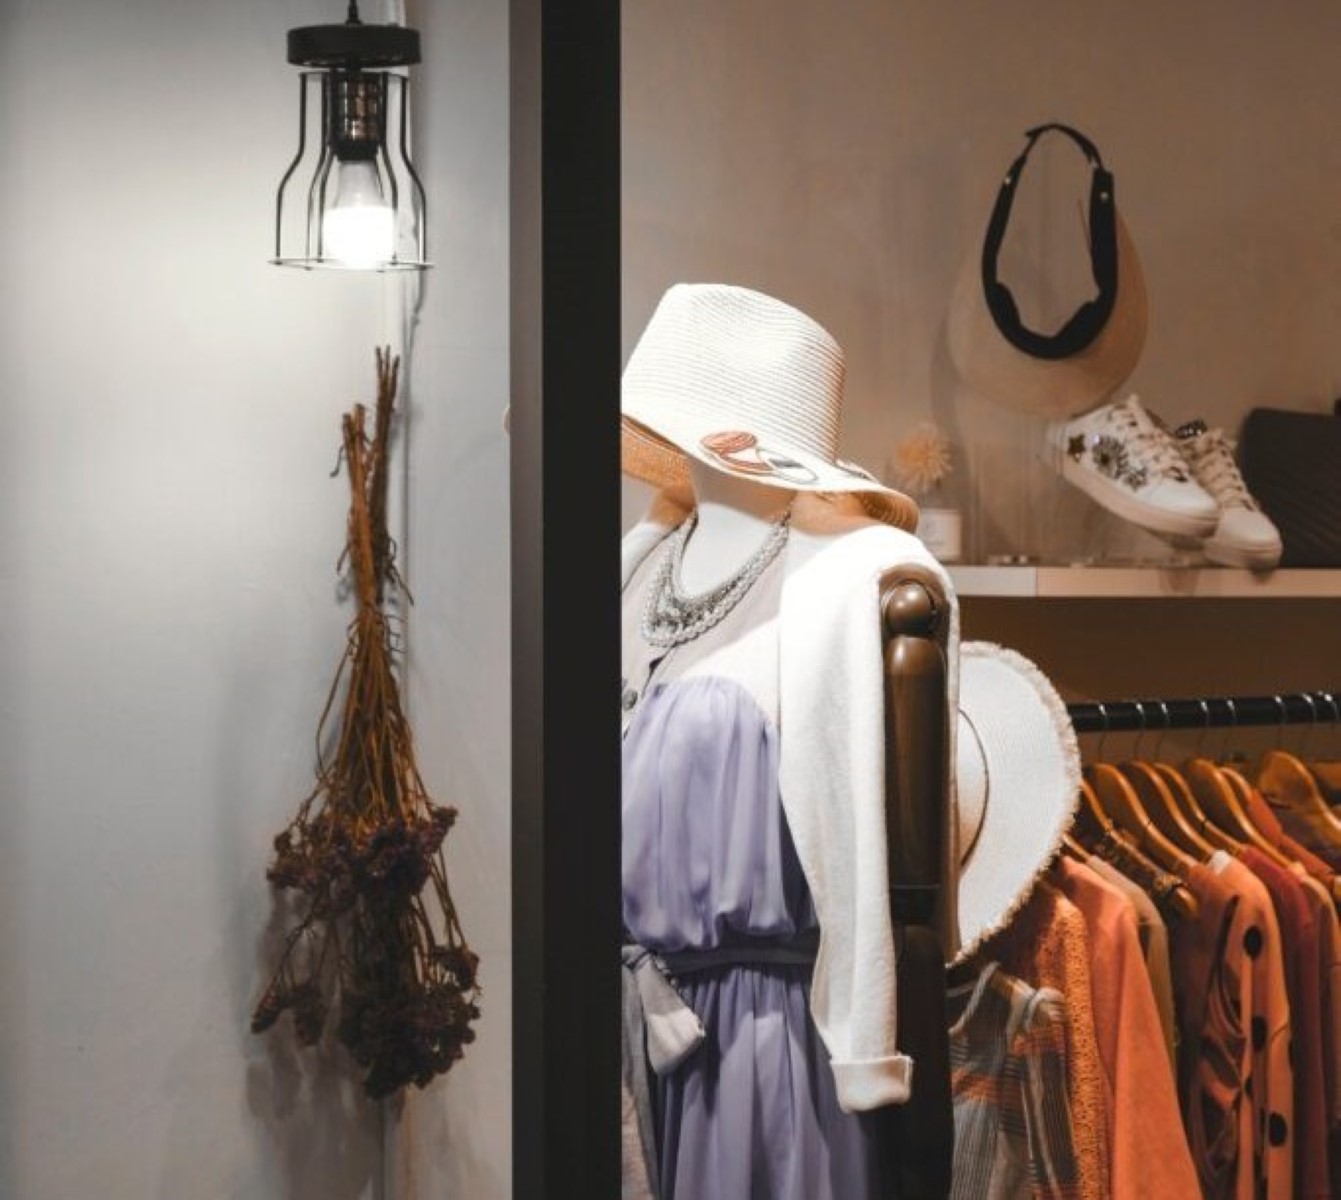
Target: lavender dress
[(708, 862)]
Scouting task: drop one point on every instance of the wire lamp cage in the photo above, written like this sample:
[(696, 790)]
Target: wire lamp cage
[(351, 198)]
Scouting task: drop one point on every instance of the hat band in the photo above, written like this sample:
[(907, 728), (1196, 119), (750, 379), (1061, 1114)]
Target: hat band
[(973, 788), (1088, 321), (740, 451)]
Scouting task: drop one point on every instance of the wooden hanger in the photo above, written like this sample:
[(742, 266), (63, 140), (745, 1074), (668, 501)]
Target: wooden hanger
[(1231, 771), (1122, 803), (1242, 789), (1293, 783), (1186, 800), (1097, 831), (1222, 803), (1116, 847), (1285, 780), (1158, 802), (1188, 805), (1226, 779), (1073, 849), (1328, 774), (1091, 823)]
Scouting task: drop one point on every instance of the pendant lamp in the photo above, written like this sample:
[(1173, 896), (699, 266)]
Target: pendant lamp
[(351, 198)]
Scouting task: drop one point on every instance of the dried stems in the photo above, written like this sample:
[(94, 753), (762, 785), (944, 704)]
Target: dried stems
[(363, 855)]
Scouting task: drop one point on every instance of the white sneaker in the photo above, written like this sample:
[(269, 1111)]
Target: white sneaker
[(1123, 458), (1244, 535)]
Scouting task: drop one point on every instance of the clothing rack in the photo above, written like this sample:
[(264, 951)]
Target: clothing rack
[(1218, 712)]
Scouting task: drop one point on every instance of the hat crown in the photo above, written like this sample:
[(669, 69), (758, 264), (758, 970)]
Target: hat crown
[(749, 386), (735, 359)]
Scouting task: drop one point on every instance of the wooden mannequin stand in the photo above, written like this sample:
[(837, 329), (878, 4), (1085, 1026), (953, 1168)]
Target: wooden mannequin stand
[(920, 1146)]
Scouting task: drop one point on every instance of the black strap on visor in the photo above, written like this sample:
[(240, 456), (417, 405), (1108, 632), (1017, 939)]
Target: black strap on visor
[(1087, 322)]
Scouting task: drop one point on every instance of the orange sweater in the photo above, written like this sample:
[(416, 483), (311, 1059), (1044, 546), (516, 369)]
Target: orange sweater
[(1148, 1152)]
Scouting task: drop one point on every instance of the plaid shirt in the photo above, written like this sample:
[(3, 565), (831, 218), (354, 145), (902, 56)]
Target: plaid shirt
[(1013, 1130)]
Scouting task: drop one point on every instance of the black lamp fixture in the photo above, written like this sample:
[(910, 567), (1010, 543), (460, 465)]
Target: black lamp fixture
[(351, 198)]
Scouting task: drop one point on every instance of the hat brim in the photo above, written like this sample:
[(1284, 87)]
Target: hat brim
[(1052, 388), (656, 449), (1013, 718)]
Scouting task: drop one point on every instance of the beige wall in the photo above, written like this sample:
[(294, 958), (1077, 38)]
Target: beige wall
[(844, 157)]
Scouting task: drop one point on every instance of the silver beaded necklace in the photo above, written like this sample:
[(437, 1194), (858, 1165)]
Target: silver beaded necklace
[(671, 617)]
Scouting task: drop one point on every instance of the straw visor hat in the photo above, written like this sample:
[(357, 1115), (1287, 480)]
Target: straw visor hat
[(1017, 784), (751, 387), (1078, 368)]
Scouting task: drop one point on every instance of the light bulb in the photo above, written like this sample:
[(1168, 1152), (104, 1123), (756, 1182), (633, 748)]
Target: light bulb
[(359, 229)]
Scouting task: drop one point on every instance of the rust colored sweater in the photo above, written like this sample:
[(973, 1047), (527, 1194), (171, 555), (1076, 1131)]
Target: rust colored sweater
[(1148, 1151)]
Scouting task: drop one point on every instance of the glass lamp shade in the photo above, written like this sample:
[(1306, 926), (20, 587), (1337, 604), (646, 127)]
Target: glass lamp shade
[(359, 228), (351, 198)]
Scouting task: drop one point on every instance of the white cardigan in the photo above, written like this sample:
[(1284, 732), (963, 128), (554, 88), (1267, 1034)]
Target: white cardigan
[(831, 769)]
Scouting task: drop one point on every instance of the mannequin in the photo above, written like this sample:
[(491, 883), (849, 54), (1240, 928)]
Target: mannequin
[(734, 517), (770, 793)]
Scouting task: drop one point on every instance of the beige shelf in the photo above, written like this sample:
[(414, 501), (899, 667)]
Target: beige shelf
[(1200, 583)]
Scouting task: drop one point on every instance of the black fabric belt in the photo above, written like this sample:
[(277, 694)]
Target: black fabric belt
[(799, 951)]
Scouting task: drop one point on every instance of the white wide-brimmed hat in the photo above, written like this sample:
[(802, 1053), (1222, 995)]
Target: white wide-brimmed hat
[(748, 385), (1017, 368), (1017, 785)]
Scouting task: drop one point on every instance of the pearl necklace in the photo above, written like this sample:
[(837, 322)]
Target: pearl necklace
[(671, 617)]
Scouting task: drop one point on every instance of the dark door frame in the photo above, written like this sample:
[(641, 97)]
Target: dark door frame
[(565, 354)]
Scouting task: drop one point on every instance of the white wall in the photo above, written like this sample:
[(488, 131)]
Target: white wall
[(454, 1140), (168, 540), (845, 157)]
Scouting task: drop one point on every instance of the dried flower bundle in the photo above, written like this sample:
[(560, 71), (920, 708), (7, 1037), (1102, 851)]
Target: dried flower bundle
[(363, 856), (922, 459)]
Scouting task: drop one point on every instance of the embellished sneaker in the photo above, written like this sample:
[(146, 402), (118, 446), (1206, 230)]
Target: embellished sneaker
[(1244, 535), (1123, 458)]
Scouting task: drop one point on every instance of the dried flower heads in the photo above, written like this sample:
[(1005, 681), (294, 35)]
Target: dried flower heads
[(922, 459), (377, 942)]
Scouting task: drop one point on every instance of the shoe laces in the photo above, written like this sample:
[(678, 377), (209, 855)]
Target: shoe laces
[(1146, 436), (1210, 453)]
